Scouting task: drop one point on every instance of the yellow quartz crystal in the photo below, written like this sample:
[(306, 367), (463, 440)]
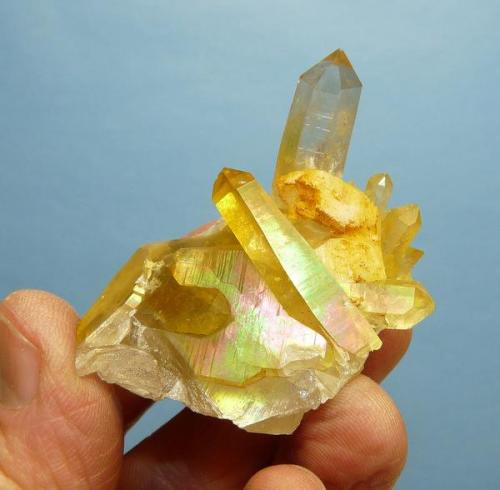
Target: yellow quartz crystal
[(379, 190), (268, 312), (290, 267)]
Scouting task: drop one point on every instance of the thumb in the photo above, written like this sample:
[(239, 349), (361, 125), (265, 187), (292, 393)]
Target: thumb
[(57, 430)]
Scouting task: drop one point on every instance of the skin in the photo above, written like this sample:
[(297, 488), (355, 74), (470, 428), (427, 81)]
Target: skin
[(70, 435)]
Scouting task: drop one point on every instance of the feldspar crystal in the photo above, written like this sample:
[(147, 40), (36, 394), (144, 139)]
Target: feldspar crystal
[(271, 310)]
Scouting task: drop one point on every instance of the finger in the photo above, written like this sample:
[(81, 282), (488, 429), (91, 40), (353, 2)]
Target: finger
[(132, 406), (358, 438), (57, 430), (193, 451), (284, 477), (380, 363)]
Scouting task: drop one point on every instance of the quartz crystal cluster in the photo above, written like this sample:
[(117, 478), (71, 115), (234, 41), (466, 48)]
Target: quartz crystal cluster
[(271, 310)]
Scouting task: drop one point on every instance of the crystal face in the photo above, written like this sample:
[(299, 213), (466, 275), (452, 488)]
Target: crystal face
[(289, 266), (321, 119), (268, 312)]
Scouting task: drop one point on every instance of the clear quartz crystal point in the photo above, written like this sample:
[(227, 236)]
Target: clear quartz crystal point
[(320, 122), (379, 190)]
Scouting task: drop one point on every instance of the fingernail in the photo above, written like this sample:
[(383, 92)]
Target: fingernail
[(20, 363)]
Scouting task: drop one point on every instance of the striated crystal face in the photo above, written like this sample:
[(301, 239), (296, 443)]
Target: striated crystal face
[(271, 310), (288, 264)]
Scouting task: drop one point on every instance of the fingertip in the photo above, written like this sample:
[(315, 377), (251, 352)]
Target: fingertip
[(380, 363), (37, 297), (132, 406), (358, 438), (284, 477), (20, 363), (47, 321), (225, 458), (69, 427)]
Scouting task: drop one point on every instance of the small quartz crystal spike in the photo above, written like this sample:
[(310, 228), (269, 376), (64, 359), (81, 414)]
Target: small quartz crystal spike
[(320, 122), (399, 228), (288, 265), (379, 190)]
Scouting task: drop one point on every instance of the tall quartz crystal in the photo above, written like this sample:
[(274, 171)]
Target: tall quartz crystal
[(321, 119)]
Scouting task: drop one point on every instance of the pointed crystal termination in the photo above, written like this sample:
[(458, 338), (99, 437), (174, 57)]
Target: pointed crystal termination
[(320, 122), (379, 190), (287, 263), (399, 228)]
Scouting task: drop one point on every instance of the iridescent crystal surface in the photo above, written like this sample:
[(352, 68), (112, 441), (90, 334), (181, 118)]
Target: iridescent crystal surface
[(272, 309), (290, 267)]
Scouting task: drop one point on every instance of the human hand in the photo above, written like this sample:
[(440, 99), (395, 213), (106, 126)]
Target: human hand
[(58, 430)]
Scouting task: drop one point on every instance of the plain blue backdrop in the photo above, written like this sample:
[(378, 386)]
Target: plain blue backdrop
[(115, 117)]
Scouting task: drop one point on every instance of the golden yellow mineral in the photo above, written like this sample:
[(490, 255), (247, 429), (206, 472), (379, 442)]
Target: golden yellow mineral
[(287, 263), (272, 309), (322, 197), (379, 190)]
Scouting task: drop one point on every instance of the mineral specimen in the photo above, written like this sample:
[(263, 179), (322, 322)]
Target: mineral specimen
[(271, 310)]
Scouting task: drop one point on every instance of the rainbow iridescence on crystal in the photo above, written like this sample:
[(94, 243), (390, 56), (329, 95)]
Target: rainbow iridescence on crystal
[(271, 310)]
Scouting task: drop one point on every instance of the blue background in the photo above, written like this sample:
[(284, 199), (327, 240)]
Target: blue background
[(115, 117)]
